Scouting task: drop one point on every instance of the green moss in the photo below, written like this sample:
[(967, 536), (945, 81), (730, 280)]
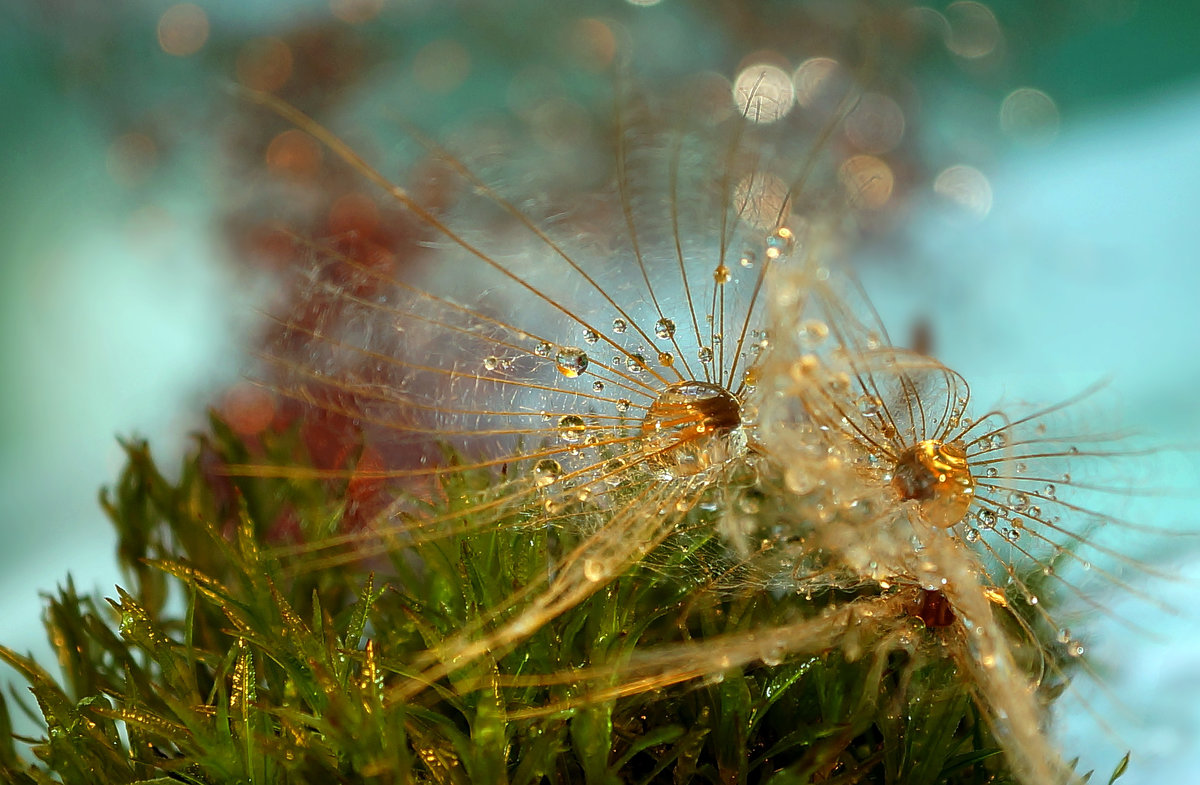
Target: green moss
[(230, 661)]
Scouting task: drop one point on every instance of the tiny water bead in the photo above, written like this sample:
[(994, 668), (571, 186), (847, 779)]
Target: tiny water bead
[(705, 354), (491, 362), (722, 275), (590, 336), (598, 386), (691, 427), (546, 472), (936, 475), (664, 329), (543, 349), (634, 363), (571, 361), (620, 326)]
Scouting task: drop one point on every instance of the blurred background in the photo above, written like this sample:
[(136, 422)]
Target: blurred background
[(1042, 232)]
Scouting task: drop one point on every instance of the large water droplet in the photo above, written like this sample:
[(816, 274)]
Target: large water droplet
[(691, 427), (571, 361), (780, 243), (571, 428), (547, 471)]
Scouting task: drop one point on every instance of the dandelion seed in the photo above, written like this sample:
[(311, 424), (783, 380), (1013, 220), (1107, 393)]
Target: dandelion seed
[(822, 460)]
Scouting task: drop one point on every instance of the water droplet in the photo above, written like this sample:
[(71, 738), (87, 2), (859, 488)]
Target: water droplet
[(971, 535), (813, 332), (612, 471), (491, 362), (780, 242), (571, 428), (991, 471), (547, 471), (705, 354), (571, 361), (1064, 635), (1049, 491), (1021, 468), (747, 259), (1017, 500), (664, 329), (1012, 535), (1075, 649), (868, 406), (666, 359), (987, 518), (598, 386), (590, 336), (722, 275), (594, 570), (619, 326), (749, 504), (623, 405), (543, 349)]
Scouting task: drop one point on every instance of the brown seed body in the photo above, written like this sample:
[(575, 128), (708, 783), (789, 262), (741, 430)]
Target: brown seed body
[(936, 475)]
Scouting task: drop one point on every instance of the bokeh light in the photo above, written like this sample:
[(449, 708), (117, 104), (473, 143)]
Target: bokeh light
[(182, 29), (1029, 116), (763, 93)]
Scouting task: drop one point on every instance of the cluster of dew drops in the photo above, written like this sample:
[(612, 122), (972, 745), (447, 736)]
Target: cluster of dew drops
[(572, 362)]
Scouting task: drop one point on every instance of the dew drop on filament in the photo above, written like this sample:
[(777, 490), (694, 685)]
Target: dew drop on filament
[(691, 427), (571, 361), (546, 472), (780, 242), (571, 428)]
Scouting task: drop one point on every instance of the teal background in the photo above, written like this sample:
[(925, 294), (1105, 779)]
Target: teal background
[(117, 321)]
